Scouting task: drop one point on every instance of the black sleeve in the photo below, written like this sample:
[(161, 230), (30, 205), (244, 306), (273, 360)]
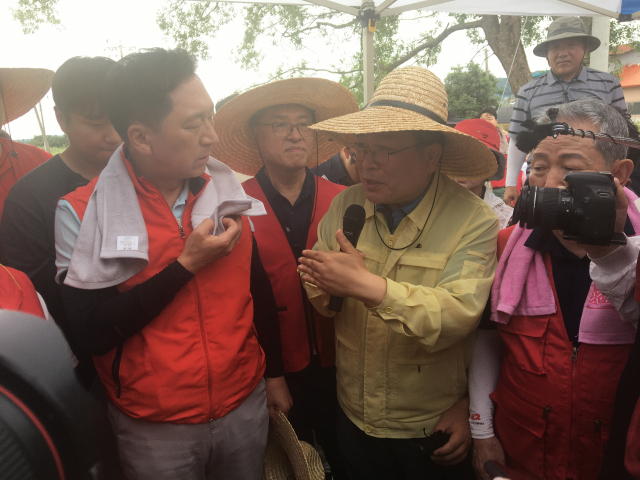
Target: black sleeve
[(101, 319), (485, 320), (265, 316), (26, 247)]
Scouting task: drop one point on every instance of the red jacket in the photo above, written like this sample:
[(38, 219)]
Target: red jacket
[(200, 358), (17, 292), (554, 403), (302, 328), (13, 168)]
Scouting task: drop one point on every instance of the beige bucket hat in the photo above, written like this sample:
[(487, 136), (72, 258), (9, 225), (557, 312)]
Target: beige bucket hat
[(566, 27), (287, 458), (413, 98), (237, 148), (21, 89)]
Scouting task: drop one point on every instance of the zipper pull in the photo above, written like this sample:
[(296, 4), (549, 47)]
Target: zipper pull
[(574, 354), (182, 235), (545, 412), (596, 426)]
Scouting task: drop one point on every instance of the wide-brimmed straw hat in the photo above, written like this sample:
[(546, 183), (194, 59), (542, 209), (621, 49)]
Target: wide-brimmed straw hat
[(566, 27), (237, 146), (22, 89), (287, 458), (413, 98), (488, 134)]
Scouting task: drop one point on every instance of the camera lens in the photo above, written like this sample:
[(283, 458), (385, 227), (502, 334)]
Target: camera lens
[(540, 207)]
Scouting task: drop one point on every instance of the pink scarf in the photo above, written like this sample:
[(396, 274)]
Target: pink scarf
[(528, 290)]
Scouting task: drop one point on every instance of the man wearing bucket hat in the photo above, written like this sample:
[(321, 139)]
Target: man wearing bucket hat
[(487, 134), (20, 90), (566, 46), (265, 132), (415, 290)]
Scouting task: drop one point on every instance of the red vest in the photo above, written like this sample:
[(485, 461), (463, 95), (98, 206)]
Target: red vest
[(554, 404), (299, 334), (17, 292), (200, 358), (13, 168)]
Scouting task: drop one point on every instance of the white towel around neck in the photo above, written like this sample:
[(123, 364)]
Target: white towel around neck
[(112, 244)]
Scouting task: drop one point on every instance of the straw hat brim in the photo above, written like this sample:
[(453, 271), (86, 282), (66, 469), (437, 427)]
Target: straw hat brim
[(287, 458), (237, 148), (593, 43), (22, 89), (463, 157)]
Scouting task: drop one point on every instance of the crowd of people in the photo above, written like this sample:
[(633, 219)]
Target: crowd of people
[(199, 309)]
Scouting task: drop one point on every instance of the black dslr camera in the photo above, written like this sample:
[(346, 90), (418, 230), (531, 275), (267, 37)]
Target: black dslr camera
[(585, 211)]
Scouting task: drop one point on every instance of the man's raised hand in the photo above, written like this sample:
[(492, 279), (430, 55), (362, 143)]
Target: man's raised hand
[(202, 248)]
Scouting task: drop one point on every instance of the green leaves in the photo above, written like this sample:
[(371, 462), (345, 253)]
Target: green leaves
[(470, 90), (33, 13)]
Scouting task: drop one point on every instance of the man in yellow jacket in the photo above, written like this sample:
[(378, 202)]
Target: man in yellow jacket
[(415, 291)]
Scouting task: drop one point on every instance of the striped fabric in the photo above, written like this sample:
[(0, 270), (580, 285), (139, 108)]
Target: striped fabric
[(546, 91)]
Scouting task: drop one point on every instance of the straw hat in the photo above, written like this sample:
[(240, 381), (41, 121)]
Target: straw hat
[(22, 89), (237, 148), (566, 27), (287, 458), (413, 98)]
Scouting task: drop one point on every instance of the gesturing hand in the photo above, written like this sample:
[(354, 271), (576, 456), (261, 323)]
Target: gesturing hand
[(343, 274), (202, 248)]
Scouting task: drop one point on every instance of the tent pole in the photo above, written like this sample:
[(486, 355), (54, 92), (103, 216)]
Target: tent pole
[(367, 63), (600, 58), (368, 17)]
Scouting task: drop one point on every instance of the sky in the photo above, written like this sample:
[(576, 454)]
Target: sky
[(92, 28)]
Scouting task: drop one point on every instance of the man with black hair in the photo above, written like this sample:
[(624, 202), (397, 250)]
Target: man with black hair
[(278, 147), (27, 240), (163, 284)]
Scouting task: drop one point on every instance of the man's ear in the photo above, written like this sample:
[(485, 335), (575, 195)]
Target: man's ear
[(432, 155), (140, 139), (622, 169), (62, 119)]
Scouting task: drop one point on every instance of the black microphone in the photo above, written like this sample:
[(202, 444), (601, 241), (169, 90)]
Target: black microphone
[(352, 224)]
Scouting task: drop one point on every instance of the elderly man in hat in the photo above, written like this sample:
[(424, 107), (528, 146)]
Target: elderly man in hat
[(563, 332), (266, 132), (416, 286), (565, 48), (20, 90)]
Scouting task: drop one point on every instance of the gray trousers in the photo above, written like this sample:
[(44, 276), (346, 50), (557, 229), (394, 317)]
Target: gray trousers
[(229, 448)]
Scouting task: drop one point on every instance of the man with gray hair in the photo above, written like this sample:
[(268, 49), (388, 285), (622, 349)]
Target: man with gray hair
[(564, 333)]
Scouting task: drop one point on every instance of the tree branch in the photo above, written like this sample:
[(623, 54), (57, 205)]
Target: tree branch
[(434, 42), (319, 25)]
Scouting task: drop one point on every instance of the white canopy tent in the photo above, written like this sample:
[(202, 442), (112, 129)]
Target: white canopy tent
[(370, 11)]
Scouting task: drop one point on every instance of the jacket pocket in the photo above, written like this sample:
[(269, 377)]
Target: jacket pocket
[(422, 385), (524, 339), (520, 426), (349, 376)]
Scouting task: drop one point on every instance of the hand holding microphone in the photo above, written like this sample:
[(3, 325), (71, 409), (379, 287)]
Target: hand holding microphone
[(352, 224)]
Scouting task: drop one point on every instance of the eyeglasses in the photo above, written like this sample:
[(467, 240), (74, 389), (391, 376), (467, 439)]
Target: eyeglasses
[(379, 155), (281, 129)]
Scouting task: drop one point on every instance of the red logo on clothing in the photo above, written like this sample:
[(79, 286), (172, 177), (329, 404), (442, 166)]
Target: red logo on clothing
[(475, 416)]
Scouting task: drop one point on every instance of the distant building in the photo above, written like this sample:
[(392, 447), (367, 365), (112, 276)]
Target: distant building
[(625, 63)]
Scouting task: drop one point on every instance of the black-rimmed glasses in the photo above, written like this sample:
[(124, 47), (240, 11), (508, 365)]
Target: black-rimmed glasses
[(282, 129), (379, 155)]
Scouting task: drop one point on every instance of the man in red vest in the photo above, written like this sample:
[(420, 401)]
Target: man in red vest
[(20, 90), (265, 132), (163, 283), (565, 340)]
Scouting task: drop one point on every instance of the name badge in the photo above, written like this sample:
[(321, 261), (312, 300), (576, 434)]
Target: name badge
[(128, 243)]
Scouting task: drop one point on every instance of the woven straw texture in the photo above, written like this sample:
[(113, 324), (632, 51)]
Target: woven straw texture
[(464, 157), (593, 43), (22, 89), (237, 148), (287, 458)]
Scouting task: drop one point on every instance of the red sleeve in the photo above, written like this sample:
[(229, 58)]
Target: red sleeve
[(17, 293)]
